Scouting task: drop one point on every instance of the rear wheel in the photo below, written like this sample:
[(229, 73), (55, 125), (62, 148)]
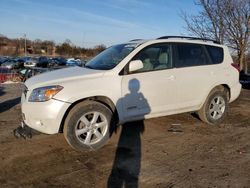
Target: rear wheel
[(87, 125), (215, 107)]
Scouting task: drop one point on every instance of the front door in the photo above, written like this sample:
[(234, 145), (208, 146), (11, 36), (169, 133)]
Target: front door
[(150, 90)]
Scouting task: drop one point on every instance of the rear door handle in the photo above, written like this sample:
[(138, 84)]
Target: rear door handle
[(172, 77)]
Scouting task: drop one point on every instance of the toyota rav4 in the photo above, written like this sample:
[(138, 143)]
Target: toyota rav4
[(136, 80)]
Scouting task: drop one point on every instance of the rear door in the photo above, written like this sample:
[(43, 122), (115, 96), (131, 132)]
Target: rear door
[(195, 74)]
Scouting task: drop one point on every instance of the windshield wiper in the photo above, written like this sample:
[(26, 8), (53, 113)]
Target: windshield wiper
[(87, 66)]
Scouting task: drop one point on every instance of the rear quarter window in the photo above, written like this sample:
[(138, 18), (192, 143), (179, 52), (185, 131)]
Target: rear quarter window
[(216, 54)]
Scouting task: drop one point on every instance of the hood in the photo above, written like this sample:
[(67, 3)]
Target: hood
[(62, 75)]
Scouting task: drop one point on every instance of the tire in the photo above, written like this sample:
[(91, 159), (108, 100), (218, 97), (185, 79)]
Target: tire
[(87, 125), (215, 108)]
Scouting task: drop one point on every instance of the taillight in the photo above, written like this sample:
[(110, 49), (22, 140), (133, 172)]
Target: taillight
[(236, 66)]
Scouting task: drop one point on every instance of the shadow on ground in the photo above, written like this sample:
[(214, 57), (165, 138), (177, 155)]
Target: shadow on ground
[(6, 105), (127, 163)]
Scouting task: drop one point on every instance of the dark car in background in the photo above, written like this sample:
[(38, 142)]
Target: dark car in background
[(23, 59), (58, 61), (20, 62), (244, 77), (3, 59), (12, 63), (43, 62), (9, 64)]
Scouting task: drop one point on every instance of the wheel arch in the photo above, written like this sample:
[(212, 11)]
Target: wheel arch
[(222, 87), (229, 91), (101, 99)]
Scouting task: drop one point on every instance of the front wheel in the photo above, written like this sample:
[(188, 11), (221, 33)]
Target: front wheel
[(87, 125), (215, 107)]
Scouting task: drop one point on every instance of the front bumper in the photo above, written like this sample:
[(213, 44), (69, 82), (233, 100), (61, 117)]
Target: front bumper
[(44, 117)]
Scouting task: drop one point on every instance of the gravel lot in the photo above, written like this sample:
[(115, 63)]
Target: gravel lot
[(139, 154)]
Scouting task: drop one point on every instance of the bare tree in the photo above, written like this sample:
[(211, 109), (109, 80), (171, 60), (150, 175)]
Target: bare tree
[(237, 21), (209, 21), (227, 21)]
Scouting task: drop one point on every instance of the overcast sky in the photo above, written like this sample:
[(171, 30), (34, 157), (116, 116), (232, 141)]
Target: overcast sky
[(91, 22)]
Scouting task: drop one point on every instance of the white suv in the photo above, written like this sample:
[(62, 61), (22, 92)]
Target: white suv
[(132, 81)]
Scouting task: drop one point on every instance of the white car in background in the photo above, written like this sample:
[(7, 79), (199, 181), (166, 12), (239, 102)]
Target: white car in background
[(136, 80), (31, 62)]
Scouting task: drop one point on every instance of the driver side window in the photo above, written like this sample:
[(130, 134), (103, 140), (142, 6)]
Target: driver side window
[(155, 57)]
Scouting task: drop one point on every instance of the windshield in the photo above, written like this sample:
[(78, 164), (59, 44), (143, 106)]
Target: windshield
[(110, 57)]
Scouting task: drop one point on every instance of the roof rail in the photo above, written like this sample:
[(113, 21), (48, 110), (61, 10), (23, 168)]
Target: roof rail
[(191, 38), (135, 40)]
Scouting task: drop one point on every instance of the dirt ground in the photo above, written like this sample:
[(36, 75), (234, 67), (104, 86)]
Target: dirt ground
[(140, 154)]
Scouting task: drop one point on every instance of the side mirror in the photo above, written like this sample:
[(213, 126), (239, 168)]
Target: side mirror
[(135, 65)]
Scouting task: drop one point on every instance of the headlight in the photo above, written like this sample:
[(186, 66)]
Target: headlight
[(42, 94)]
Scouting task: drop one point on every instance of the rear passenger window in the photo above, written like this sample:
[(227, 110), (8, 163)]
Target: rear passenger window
[(216, 54), (188, 55)]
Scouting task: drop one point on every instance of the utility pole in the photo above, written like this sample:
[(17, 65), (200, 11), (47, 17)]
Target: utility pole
[(83, 38), (25, 45)]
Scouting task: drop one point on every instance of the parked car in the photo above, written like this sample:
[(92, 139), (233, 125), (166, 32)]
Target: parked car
[(3, 59), (70, 59), (13, 62), (28, 72), (244, 77), (58, 61), (4, 74), (43, 61), (19, 63), (10, 64), (25, 58), (74, 62), (32, 62), (132, 81)]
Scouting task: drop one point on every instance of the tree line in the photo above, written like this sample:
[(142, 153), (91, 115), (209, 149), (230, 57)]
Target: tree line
[(68, 49), (16, 47)]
